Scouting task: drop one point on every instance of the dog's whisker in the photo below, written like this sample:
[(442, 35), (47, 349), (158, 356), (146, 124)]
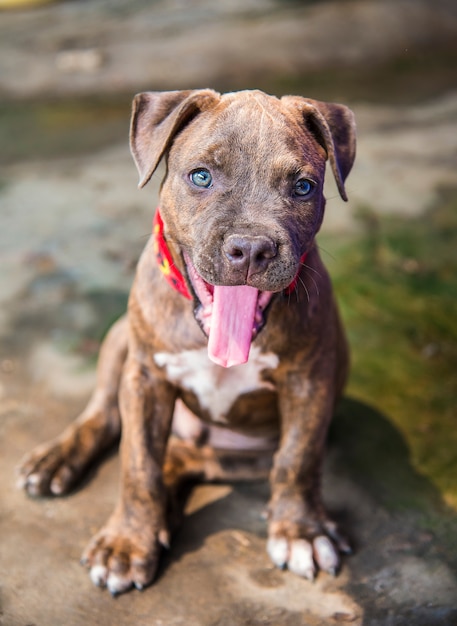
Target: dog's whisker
[(315, 282), (289, 295), (297, 295), (308, 267), (305, 288)]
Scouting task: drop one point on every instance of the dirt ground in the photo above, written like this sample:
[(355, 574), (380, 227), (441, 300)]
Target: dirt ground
[(72, 227)]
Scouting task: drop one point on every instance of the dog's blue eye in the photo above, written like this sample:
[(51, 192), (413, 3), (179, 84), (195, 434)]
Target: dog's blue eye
[(303, 187), (201, 178)]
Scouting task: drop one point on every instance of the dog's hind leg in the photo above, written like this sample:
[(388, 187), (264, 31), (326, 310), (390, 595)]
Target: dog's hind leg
[(187, 464), (56, 466)]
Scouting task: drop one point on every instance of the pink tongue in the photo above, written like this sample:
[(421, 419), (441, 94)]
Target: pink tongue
[(232, 321)]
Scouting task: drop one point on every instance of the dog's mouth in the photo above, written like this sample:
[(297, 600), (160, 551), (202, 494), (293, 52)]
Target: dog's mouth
[(231, 317)]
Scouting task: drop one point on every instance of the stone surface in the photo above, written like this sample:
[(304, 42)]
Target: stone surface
[(72, 47)]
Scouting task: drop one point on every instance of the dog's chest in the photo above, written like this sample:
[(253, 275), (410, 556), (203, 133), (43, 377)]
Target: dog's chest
[(216, 387)]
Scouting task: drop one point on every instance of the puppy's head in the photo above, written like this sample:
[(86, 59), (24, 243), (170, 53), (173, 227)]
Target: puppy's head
[(242, 196)]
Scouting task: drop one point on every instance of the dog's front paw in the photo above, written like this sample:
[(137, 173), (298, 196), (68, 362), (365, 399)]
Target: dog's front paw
[(121, 557), (49, 470), (304, 552)]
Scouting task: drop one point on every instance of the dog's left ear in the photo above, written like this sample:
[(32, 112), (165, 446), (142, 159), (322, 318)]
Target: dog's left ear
[(157, 116), (333, 126)]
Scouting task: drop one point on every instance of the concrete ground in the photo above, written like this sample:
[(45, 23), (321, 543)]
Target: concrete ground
[(72, 227)]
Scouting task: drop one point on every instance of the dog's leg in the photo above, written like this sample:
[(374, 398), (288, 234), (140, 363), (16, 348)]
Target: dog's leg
[(54, 467), (187, 464), (186, 461), (126, 550), (209, 453), (301, 536)]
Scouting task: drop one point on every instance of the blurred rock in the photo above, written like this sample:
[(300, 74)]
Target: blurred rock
[(130, 45)]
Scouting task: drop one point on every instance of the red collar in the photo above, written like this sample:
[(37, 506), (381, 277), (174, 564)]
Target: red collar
[(165, 260), (171, 272)]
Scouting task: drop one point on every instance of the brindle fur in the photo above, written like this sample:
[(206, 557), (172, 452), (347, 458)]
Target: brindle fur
[(255, 144)]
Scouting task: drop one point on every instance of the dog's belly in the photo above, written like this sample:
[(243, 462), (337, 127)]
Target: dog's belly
[(238, 397)]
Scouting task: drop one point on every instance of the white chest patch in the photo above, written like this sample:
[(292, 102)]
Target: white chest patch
[(216, 387)]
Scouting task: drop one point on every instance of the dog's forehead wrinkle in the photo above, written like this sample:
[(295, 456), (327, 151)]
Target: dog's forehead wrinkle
[(248, 139), (252, 121), (266, 115)]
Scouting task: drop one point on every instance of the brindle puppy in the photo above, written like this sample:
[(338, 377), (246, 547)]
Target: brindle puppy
[(249, 338)]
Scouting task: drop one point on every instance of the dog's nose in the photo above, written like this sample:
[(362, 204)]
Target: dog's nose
[(249, 254)]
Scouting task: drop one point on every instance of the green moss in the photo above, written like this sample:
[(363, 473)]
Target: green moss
[(397, 288)]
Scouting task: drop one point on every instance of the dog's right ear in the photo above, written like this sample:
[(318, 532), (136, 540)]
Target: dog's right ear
[(333, 126), (156, 118)]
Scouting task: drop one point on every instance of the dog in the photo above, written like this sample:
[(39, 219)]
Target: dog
[(231, 357)]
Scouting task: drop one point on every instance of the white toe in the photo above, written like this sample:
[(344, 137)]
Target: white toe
[(33, 479), (301, 559), (33, 485), (56, 487), (326, 554), (278, 550), (98, 575), (118, 584)]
